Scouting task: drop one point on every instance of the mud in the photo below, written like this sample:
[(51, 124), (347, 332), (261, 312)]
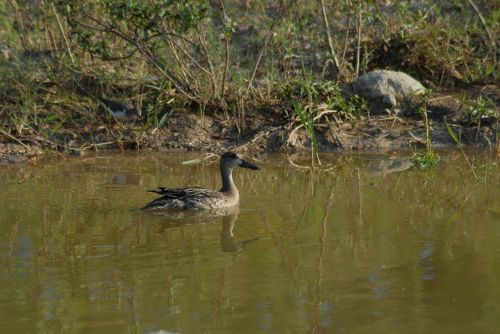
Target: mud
[(270, 132)]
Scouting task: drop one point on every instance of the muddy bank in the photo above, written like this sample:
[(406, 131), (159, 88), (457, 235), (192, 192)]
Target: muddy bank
[(266, 132), (207, 135)]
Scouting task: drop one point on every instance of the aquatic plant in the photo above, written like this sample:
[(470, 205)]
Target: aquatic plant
[(461, 148), (428, 157), (424, 159), (307, 121)]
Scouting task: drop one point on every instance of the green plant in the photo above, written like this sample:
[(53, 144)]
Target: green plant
[(347, 108), (163, 120), (460, 147), (164, 32), (307, 121), (452, 38), (326, 94), (424, 159), (428, 157), (479, 110)]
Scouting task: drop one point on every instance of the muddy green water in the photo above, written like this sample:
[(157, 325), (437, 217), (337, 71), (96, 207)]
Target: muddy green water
[(365, 247)]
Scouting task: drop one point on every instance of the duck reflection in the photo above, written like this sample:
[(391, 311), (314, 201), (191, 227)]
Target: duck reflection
[(227, 241), (229, 217)]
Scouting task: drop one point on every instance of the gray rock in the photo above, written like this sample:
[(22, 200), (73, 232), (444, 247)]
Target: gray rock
[(9, 159), (5, 51), (387, 89)]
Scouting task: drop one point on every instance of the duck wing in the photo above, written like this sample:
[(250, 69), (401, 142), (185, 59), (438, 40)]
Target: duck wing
[(179, 193), (181, 198)]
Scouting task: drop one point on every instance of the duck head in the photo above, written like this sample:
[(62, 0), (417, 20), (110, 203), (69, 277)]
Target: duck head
[(231, 160)]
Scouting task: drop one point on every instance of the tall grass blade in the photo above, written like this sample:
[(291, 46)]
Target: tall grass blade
[(461, 148), (307, 122), (164, 119)]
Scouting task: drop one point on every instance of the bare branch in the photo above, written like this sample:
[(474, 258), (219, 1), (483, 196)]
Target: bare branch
[(481, 18), (329, 37), (149, 55), (203, 44), (226, 48), (358, 47), (264, 47)]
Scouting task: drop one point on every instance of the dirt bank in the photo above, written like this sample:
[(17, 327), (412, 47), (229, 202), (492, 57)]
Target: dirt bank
[(270, 132), (239, 76)]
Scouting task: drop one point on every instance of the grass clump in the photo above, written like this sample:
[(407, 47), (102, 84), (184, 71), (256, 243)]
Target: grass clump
[(457, 140), (307, 121), (428, 157), (425, 159), (479, 110), (323, 98)]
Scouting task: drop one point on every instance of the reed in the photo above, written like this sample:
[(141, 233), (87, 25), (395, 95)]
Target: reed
[(307, 121), (428, 157), (457, 140)]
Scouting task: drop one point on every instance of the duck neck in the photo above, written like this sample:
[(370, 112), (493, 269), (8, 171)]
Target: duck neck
[(227, 181)]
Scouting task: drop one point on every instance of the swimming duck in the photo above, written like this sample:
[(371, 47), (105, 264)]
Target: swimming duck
[(201, 198)]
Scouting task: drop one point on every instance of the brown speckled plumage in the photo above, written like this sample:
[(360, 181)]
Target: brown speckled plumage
[(201, 198)]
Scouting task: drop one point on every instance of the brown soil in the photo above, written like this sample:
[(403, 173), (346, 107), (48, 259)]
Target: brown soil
[(270, 132)]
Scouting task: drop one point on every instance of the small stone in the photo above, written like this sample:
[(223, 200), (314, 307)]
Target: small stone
[(9, 159)]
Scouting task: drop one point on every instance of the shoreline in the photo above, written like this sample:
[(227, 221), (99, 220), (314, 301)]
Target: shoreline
[(209, 133)]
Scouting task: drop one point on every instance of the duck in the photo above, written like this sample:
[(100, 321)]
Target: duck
[(202, 198)]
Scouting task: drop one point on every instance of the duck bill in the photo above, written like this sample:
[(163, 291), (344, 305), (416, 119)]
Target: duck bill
[(246, 164)]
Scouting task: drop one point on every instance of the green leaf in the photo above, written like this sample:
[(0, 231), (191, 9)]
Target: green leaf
[(192, 162), (453, 135)]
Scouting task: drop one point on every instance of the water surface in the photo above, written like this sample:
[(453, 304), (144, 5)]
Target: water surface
[(368, 245)]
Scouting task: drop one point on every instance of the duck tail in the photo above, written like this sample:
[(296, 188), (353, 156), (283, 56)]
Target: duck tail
[(159, 190)]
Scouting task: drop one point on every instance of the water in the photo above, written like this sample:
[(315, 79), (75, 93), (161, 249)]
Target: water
[(368, 246)]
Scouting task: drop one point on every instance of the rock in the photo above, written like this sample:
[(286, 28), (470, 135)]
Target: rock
[(386, 89), (5, 51), (9, 159), (17, 149)]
